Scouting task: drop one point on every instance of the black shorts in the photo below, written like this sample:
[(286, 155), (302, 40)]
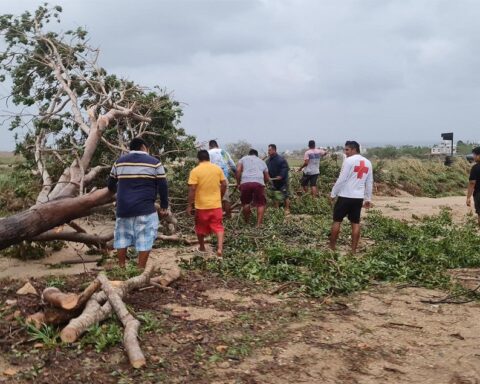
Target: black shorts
[(346, 206), (476, 200), (309, 180)]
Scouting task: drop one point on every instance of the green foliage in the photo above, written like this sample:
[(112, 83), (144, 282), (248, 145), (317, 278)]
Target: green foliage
[(427, 177), (118, 273), (177, 177), (47, 335), (307, 204), (26, 250), (103, 336), (465, 148), (393, 152), (424, 177), (18, 188), (291, 250), (149, 321), (56, 281)]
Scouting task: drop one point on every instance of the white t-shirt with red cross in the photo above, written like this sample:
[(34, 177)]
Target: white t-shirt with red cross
[(355, 180)]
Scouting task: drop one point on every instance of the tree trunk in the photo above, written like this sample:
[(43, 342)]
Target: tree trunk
[(42, 217)]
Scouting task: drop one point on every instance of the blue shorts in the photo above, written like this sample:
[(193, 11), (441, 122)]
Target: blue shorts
[(140, 231)]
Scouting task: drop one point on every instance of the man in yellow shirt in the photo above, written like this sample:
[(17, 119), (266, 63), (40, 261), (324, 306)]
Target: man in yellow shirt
[(206, 187)]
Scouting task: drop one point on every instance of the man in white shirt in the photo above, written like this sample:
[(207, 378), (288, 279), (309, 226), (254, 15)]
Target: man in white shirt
[(353, 190), (311, 168), (223, 159), (252, 174)]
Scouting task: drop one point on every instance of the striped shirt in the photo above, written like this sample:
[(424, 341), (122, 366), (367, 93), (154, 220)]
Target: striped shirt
[(137, 178)]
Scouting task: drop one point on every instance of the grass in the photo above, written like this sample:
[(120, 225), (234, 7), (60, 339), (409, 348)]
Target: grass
[(119, 273), (429, 178), (18, 189), (47, 335), (103, 336), (8, 158)]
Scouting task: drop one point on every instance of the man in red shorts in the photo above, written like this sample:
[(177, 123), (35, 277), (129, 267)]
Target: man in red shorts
[(252, 174), (206, 187)]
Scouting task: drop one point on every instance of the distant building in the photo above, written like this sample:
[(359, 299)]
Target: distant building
[(444, 148)]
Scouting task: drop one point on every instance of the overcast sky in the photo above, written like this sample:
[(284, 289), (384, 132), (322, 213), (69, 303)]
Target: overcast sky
[(286, 71)]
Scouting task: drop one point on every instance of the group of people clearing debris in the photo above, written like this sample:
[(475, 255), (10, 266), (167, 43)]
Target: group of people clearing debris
[(137, 178)]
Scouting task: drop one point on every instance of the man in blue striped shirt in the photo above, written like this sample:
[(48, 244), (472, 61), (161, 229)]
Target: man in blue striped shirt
[(137, 178)]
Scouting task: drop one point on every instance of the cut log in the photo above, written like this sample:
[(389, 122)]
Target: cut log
[(57, 298), (88, 292), (37, 319), (131, 325), (42, 217), (92, 314), (69, 301)]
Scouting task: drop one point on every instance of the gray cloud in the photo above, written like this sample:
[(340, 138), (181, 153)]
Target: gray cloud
[(285, 70)]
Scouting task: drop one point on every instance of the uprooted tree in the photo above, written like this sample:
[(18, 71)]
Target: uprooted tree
[(78, 119)]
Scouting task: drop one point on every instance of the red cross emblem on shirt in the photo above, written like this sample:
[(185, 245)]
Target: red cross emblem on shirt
[(361, 169)]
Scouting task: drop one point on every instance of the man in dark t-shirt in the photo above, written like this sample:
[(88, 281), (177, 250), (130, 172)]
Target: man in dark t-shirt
[(474, 184), (278, 172)]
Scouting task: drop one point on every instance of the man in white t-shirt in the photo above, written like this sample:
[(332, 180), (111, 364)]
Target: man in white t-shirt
[(311, 167), (353, 190), (252, 174), (222, 158)]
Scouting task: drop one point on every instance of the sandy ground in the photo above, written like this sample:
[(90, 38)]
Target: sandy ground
[(403, 207), (10, 267), (385, 335)]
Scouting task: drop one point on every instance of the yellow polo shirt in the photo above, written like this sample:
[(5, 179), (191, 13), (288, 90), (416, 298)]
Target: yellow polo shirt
[(207, 177)]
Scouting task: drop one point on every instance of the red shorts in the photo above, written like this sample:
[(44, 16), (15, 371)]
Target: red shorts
[(208, 221), (253, 193)]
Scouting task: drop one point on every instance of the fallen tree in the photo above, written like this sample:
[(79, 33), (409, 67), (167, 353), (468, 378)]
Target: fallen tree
[(40, 218), (78, 120)]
